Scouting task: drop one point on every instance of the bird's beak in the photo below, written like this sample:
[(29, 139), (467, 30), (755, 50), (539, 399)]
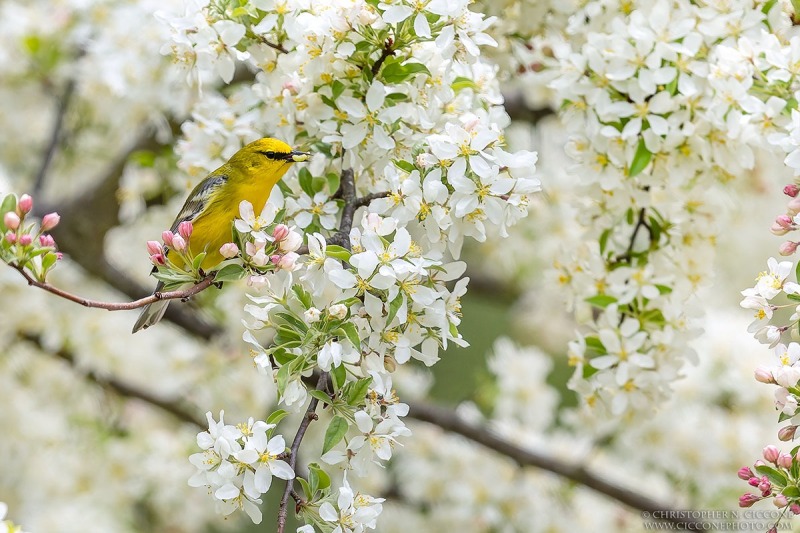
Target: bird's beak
[(298, 157)]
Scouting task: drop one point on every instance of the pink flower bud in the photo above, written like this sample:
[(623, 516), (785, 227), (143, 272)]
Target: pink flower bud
[(275, 259), (791, 190), (167, 236), (59, 256), (50, 221), (11, 220), (793, 206), (158, 259), (780, 501), (25, 240), (185, 229), (24, 205), (764, 375), (788, 248), (11, 237), (47, 240), (292, 242), (229, 250), (794, 508), (154, 247), (288, 261), (765, 486), (784, 221), (745, 473), (778, 230), (280, 232), (786, 434), (771, 453), (753, 481), (785, 460), (178, 243), (747, 500)]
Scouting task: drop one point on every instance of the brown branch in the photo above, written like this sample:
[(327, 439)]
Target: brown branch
[(518, 109), (200, 286), (365, 200), (298, 438), (450, 421), (385, 53), (56, 135), (173, 407)]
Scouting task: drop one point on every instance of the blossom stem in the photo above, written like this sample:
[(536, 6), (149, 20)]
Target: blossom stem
[(322, 384), (200, 286)]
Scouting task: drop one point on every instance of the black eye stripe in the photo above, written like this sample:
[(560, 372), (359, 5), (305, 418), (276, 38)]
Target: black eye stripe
[(276, 156)]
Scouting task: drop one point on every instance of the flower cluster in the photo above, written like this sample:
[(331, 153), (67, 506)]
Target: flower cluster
[(778, 479), (353, 513), (26, 244), (238, 462)]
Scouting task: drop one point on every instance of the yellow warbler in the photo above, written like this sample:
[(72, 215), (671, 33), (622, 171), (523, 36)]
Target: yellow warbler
[(211, 207)]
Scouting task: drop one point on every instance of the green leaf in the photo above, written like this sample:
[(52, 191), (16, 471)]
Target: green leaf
[(277, 416), (333, 180), (288, 333), (302, 295), (48, 261), (339, 375), (775, 477), (794, 297), (397, 97), (306, 181), (791, 492), (283, 379), (462, 83), (404, 165), (337, 88), (357, 391), (641, 159), (320, 395), (322, 476), (394, 307), (230, 272), (307, 492), (604, 240), (601, 300), (594, 346), (338, 252), (350, 331), (298, 324), (335, 433), (318, 183), (198, 260), (396, 72)]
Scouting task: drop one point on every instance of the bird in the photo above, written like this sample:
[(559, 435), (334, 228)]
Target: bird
[(250, 174)]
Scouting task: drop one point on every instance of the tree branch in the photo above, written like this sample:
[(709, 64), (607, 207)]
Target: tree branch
[(55, 137), (450, 421), (298, 438), (200, 286), (518, 109)]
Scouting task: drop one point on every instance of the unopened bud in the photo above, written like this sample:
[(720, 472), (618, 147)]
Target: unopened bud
[(25, 204), (788, 248), (11, 220), (25, 240), (158, 259), (47, 240), (167, 236), (777, 229), (185, 229), (745, 473), (154, 247), (11, 237), (764, 375), (784, 221), (771, 453), (312, 315), (258, 282), (50, 221), (291, 242), (785, 460), (791, 190), (794, 508), (747, 500), (280, 232), (389, 363), (59, 256), (178, 244), (785, 434), (780, 501), (338, 311), (793, 206), (229, 250), (288, 261)]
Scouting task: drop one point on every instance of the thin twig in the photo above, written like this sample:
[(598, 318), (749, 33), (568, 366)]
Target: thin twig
[(640, 223), (173, 407), (200, 286), (386, 52), (55, 137), (450, 421), (365, 200), (298, 438)]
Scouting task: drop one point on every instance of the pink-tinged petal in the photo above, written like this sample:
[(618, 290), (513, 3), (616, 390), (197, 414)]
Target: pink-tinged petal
[(246, 211)]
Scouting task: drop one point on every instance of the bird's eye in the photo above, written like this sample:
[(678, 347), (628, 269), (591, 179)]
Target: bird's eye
[(275, 156)]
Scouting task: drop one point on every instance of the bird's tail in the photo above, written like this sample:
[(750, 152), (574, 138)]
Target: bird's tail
[(151, 313)]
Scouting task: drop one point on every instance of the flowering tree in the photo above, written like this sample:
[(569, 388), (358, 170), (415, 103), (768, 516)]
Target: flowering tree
[(348, 285)]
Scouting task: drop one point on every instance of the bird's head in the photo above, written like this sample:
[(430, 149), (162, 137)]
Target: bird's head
[(267, 155)]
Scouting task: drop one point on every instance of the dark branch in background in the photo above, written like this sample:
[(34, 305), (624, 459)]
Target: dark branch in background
[(640, 223), (450, 421), (173, 407), (444, 418), (518, 109), (56, 137), (298, 438), (200, 286), (385, 53)]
